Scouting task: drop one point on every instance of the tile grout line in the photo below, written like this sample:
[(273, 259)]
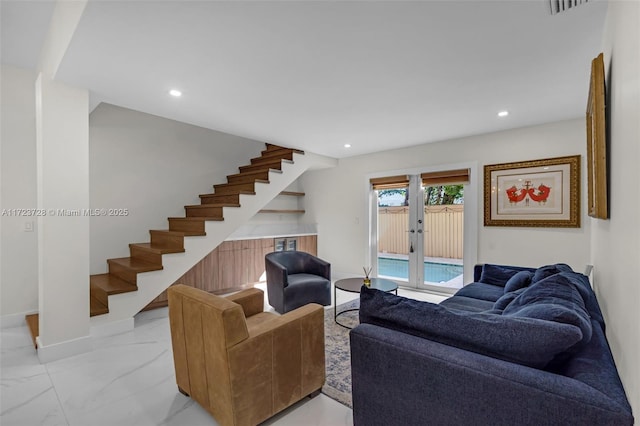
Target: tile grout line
[(64, 413)]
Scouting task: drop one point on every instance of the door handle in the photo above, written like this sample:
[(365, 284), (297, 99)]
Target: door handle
[(412, 231)]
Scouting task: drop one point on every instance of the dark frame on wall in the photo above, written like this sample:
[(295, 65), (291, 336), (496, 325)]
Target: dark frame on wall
[(538, 193), (597, 142)]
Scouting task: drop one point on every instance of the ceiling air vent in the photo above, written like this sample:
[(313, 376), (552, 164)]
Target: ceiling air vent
[(558, 6)]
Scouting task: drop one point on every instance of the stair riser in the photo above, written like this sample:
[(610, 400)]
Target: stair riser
[(145, 255), (278, 153), (123, 273), (186, 226), (273, 164), (234, 188), (96, 313), (271, 150), (167, 239), (220, 198), (272, 147), (263, 160), (244, 178), (99, 294), (204, 212)]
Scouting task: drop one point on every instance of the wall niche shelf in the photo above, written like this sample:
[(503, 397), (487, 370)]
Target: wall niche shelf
[(289, 211), (286, 211)]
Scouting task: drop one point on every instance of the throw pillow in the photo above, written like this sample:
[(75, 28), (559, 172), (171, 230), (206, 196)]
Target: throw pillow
[(555, 299), (520, 280), (498, 274), (506, 299), (527, 341), (548, 270)]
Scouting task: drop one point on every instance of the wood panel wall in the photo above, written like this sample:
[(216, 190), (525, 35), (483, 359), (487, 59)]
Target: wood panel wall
[(232, 266)]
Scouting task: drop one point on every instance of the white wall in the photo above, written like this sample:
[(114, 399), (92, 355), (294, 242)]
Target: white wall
[(62, 153), (616, 242), (19, 262), (336, 198), (153, 167)]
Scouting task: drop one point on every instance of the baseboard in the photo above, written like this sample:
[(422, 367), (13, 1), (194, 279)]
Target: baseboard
[(64, 349), (15, 320)]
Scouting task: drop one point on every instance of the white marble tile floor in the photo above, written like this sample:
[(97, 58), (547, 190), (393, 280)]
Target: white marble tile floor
[(127, 379)]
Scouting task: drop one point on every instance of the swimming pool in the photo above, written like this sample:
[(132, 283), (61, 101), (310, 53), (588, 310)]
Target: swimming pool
[(433, 272)]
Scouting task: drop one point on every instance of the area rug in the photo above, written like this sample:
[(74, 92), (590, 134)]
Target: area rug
[(337, 353)]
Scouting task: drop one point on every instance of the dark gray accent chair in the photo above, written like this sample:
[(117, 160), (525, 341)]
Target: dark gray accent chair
[(295, 278)]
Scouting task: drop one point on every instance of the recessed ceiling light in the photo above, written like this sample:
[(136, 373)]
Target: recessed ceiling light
[(503, 113), (347, 145), (175, 93)]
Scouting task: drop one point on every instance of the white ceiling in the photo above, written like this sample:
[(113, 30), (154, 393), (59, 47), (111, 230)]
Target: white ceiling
[(319, 74)]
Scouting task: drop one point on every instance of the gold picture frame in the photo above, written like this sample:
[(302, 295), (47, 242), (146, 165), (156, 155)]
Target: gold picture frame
[(597, 142), (538, 193)]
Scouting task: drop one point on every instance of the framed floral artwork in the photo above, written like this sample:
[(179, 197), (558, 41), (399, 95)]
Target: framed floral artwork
[(538, 193)]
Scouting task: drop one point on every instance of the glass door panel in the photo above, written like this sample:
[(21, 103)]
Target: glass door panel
[(393, 235), (443, 243)]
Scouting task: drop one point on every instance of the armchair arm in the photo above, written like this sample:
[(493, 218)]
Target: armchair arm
[(276, 273), (251, 300), (317, 266), (311, 313)]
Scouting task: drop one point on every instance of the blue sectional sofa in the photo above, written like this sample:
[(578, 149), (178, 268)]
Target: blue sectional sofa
[(519, 346)]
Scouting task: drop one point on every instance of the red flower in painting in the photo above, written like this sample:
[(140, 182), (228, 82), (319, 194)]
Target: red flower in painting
[(516, 195)]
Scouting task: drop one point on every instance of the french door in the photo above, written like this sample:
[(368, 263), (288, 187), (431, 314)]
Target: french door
[(417, 229)]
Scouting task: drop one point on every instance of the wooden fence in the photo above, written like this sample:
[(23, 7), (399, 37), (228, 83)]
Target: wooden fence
[(443, 230)]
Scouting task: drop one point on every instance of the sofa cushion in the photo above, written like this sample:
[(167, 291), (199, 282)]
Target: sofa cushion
[(498, 274), (555, 299), (581, 282), (520, 280), (548, 270), (527, 341), (594, 366), (506, 299), (468, 304), (481, 291)]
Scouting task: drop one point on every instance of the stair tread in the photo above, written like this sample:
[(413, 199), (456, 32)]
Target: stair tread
[(275, 161), (197, 218), (136, 264), (280, 148), (277, 153), (255, 172), (112, 284), (194, 234), (183, 233), (204, 206), (33, 322), (167, 231), (157, 248), (226, 185), (238, 192), (96, 307)]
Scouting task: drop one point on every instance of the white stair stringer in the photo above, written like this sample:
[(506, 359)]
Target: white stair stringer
[(122, 307)]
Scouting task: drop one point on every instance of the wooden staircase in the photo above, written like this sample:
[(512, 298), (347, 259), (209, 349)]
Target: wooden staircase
[(146, 257)]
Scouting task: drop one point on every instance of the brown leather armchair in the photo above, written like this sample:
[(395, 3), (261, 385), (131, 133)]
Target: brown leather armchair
[(239, 363)]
